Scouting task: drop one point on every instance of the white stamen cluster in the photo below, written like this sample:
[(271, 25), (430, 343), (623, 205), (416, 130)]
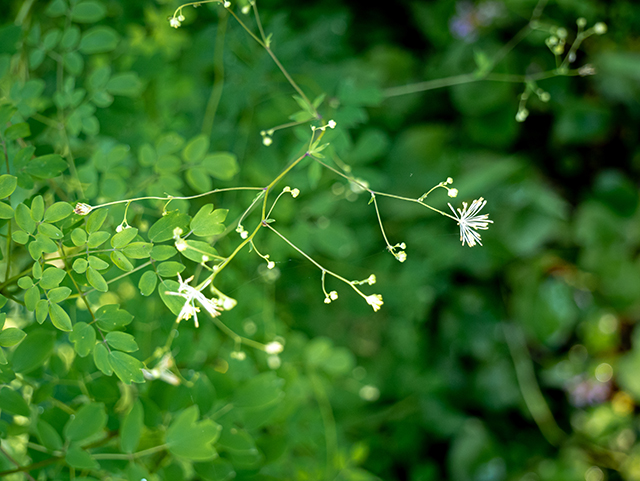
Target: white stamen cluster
[(469, 221), (191, 294)]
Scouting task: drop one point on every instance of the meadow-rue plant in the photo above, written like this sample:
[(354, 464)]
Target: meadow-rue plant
[(104, 257)]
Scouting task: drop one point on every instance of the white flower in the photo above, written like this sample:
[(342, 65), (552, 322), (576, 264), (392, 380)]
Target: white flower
[(331, 124), (162, 372), (469, 221), (295, 193), (174, 22), (191, 295), (375, 301), (273, 348), (452, 192), (333, 295), (182, 246), (267, 141), (371, 280), (271, 265), (401, 256), (82, 209)]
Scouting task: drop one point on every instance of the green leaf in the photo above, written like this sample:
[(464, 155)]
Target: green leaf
[(80, 265), (96, 239), (138, 250), (48, 436), (191, 439), (126, 84), (96, 280), (147, 283), (23, 218), (60, 318), (20, 237), (58, 294), (162, 253), (42, 310), (174, 303), (163, 229), (70, 38), (31, 297), (101, 359), (196, 149), (88, 11), (58, 211), (23, 156), (33, 351), (45, 244), (6, 211), (111, 317), (121, 261), (25, 282), (8, 184), (52, 277), (89, 420), (147, 155), (124, 237), (126, 367), (83, 338), (56, 8), (80, 459), (99, 40), (196, 250), (36, 271), (260, 390), (11, 336), (51, 231), (46, 167), (17, 131), (221, 165), (96, 219), (169, 143), (131, 428), (12, 402), (37, 208), (170, 269), (208, 222), (122, 341), (198, 179), (78, 237)]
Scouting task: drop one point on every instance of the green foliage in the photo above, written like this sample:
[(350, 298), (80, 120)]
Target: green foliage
[(123, 354)]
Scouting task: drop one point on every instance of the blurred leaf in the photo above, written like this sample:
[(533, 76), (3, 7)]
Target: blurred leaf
[(192, 439)]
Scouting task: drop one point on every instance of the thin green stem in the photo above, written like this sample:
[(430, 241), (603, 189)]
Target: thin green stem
[(171, 197), (384, 194), (529, 387), (328, 422), (263, 44), (352, 284), (218, 77), (7, 271), (476, 76), (139, 454)]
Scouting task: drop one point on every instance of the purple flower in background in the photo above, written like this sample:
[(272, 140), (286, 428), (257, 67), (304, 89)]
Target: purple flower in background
[(469, 18), (587, 392)]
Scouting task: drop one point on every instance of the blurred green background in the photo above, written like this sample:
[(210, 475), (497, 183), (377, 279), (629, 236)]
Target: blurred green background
[(517, 360)]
